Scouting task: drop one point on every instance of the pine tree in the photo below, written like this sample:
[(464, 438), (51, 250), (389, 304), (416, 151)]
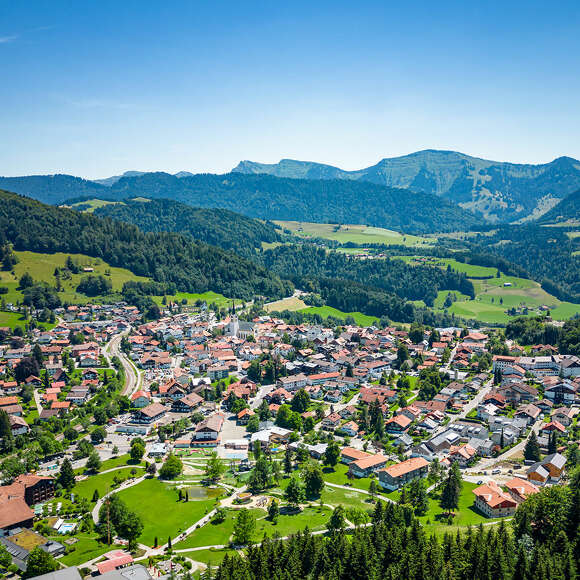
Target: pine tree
[(532, 449), (552, 443), (66, 477)]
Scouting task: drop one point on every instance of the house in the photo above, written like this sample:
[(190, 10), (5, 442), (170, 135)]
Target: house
[(537, 473), (529, 412), (187, 404), (516, 393), (564, 415), (364, 467), (331, 421), (403, 440), (207, 433), (244, 416), (18, 425), (463, 454), (395, 476), (271, 436), (562, 393), (218, 372), (397, 424), (492, 501), (150, 414), (554, 463), (350, 454), (140, 399), (351, 428), (520, 489), (20, 543)]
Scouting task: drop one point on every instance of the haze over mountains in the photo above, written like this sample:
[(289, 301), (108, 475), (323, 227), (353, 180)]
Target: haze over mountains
[(498, 191), (397, 193)]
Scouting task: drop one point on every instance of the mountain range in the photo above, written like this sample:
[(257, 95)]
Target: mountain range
[(498, 191), (398, 193)]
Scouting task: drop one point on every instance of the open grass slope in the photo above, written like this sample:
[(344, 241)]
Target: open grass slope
[(358, 234), (326, 311), (495, 295), (208, 297), (42, 266)]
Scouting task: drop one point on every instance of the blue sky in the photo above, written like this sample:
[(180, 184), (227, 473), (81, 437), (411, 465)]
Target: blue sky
[(97, 88)]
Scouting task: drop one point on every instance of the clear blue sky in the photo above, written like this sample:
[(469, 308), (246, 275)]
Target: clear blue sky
[(96, 88)]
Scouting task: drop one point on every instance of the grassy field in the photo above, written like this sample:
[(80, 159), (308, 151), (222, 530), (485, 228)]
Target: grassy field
[(93, 204), (292, 303), (209, 297), (358, 234), (492, 297), (41, 267), (162, 514), (326, 311)]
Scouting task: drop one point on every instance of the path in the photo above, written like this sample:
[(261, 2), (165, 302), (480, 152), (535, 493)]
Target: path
[(124, 485)]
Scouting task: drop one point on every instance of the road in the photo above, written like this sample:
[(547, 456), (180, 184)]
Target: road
[(133, 378)]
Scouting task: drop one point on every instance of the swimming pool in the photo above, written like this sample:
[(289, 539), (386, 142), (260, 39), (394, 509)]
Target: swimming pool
[(66, 527)]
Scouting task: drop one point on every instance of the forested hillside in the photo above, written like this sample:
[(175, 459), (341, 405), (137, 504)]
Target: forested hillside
[(166, 257), (218, 227), (300, 263), (267, 197), (546, 253), (567, 210), (53, 189)]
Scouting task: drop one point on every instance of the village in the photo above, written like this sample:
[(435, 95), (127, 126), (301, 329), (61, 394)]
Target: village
[(238, 414)]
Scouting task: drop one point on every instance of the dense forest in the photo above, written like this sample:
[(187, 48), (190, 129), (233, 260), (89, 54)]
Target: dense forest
[(542, 544), (547, 254), (218, 227), (303, 262), (267, 197), (166, 257), (537, 330)]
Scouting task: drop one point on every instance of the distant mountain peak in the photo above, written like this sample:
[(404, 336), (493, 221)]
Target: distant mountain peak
[(499, 191)]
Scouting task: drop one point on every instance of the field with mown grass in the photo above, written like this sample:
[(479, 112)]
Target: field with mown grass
[(163, 515), (358, 234)]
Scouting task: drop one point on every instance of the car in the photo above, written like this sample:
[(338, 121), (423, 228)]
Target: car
[(480, 482), (496, 471)]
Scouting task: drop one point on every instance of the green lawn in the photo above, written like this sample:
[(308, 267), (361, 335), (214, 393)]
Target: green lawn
[(103, 482), (162, 514), (41, 267), (85, 549), (326, 311), (466, 515), (315, 518)]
